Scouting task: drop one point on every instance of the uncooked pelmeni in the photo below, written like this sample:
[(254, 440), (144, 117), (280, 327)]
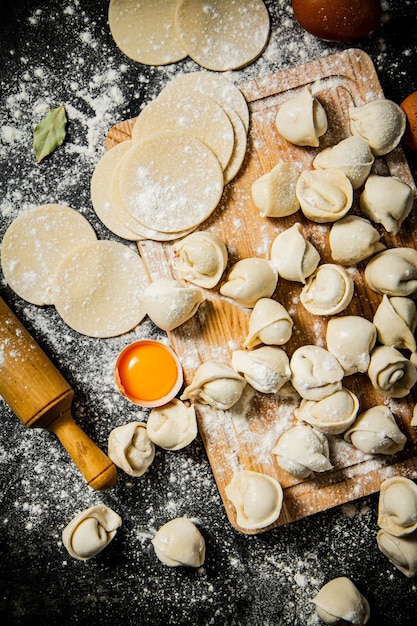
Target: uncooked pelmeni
[(172, 426), (397, 506), (35, 243), (414, 417), (375, 431), (340, 602), (351, 338), (222, 35), (266, 368), (90, 531), (400, 551), (391, 373), (324, 195), (200, 258), (248, 280), (257, 499), (98, 289), (316, 373), (333, 415), (395, 320), (130, 448), (354, 239), (169, 304), (274, 192), (352, 156), (302, 450), (159, 183), (179, 543), (380, 122), (304, 257), (269, 323), (302, 119), (144, 31), (393, 272), (216, 384), (329, 290), (387, 200)]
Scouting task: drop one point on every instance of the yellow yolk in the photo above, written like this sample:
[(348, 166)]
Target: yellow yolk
[(147, 371)]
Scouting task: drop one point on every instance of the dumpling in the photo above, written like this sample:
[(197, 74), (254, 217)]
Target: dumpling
[(375, 431), (169, 304), (249, 280), (294, 257), (353, 239), (352, 156), (274, 192), (340, 602), (414, 417), (387, 200), (324, 195), (216, 384), (257, 499), (380, 122), (397, 506), (393, 272), (401, 551), (201, 258), (179, 543), (332, 415), (391, 373), (130, 448), (269, 323), (90, 531), (350, 339), (302, 450), (329, 290), (395, 320), (316, 373), (172, 426), (266, 368), (302, 119)]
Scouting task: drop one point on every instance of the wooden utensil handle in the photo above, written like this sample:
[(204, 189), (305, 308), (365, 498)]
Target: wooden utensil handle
[(41, 398)]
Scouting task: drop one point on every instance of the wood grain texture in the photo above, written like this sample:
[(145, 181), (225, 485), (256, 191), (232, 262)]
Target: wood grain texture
[(243, 437)]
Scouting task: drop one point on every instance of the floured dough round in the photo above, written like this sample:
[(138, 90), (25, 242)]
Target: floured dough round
[(192, 113), (222, 35), (104, 199), (98, 289), (145, 32), (160, 184), (35, 243)]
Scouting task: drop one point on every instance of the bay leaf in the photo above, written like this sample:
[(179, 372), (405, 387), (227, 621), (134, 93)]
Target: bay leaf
[(50, 133)]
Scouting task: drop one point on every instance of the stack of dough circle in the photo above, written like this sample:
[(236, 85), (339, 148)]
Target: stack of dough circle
[(98, 287), (35, 243)]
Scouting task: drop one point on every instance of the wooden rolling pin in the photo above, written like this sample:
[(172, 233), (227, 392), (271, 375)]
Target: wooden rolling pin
[(41, 398)]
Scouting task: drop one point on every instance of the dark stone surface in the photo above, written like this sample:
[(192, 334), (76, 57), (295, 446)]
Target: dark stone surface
[(53, 52)]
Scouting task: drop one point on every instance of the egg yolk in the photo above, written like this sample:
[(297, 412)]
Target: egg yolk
[(147, 371)]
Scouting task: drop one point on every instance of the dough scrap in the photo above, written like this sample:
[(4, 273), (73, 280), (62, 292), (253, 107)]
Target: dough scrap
[(145, 32), (380, 122), (159, 184), (222, 35), (375, 431), (257, 499), (179, 543), (35, 243), (302, 450), (340, 602), (353, 239), (302, 261), (131, 449), (387, 200), (324, 195), (90, 531), (172, 426), (98, 289), (169, 304), (302, 119), (269, 323)]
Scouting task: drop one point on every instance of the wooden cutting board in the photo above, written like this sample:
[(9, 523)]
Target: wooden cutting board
[(243, 437)]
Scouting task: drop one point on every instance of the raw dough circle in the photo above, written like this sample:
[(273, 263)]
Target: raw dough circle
[(98, 289), (197, 114), (161, 183), (222, 35), (145, 32), (35, 243)]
